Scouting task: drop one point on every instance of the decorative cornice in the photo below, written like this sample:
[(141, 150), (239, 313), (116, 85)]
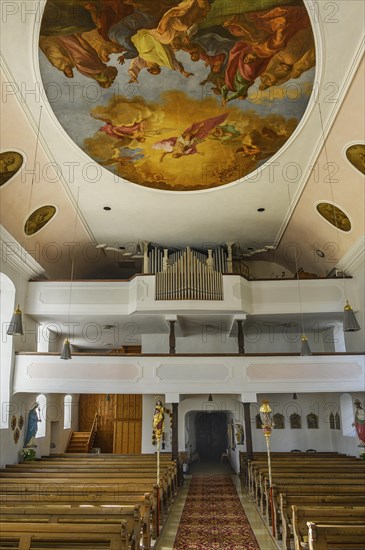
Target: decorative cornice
[(16, 256), (353, 257)]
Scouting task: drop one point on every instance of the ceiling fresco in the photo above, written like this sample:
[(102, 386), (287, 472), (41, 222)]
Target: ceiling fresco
[(179, 96)]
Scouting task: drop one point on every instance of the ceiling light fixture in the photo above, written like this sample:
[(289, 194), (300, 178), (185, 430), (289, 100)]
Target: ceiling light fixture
[(66, 350), (350, 323), (16, 323), (107, 208), (320, 253), (261, 210)]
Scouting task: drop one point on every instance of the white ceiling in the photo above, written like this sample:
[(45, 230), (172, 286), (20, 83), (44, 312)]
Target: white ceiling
[(218, 215)]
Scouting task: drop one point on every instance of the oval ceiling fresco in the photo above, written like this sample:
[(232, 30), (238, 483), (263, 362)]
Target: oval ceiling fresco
[(10, 163), (178, 95), (38, 219), (334, 215), (356, 155)]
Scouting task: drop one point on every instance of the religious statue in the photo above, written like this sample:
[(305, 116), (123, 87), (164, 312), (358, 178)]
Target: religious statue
[(32, 426), (240, 435), (158, 420), (359, 422)]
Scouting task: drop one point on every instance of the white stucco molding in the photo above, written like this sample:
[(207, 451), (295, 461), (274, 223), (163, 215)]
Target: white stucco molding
[(16, 256), (354, 257)]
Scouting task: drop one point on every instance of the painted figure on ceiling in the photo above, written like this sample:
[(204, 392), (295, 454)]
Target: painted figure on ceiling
[(220, 44), (72, 51), (186, 143)]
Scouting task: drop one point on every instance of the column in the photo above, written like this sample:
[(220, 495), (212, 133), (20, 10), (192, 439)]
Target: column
[(145, 256), (240, 337), (175, 442), (229, 257), (172, 339), (248, 432)]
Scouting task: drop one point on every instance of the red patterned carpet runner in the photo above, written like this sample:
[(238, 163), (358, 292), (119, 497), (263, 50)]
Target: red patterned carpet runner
[(213, 517)]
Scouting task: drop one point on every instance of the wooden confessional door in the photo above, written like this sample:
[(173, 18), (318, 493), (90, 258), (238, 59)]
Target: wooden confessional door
[(128, 424), (211, 435), (119, 422)]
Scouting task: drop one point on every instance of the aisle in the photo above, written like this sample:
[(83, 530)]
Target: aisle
[(168, 536), (213, 517)]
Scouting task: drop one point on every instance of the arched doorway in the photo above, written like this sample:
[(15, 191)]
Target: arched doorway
[(211, 435)]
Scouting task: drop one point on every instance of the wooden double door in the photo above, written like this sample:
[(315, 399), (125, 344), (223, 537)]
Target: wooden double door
[(119, 422), (211, 435)]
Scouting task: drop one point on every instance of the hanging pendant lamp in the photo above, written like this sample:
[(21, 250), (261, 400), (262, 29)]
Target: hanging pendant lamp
[(16, 324)]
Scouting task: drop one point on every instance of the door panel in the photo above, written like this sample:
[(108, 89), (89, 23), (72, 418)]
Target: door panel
[(128, 424), (211, 435)]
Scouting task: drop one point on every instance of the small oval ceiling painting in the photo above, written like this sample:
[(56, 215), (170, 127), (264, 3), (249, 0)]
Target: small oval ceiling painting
[(178, 95), (356, 155), (334, 216), (38, 219), (10, 163)]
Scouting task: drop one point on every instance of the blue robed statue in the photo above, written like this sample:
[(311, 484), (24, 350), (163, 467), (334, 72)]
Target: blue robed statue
[(32, 426)]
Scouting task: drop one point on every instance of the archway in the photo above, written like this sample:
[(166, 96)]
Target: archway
[(211, 435)]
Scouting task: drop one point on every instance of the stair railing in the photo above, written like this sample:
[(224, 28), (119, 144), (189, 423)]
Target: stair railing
[(92, 434), (68, 440)]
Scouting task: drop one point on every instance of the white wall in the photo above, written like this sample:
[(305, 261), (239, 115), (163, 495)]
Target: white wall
[(355, 341), (53, 417), (321, 439)]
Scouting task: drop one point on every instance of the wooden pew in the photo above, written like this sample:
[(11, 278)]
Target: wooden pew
[(280, 456), (168, 474), (130, 516), (329, 487), (65, 536), (261, 478), (296, 464), (330, 515), (287, 500), (144, 505), (78, 495), (87, 479), (335, 537)]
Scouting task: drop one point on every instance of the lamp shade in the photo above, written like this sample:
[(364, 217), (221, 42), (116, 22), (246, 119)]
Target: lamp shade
[(66, 350), (350, 323), (305, 349), (16, 324), (210, 398)]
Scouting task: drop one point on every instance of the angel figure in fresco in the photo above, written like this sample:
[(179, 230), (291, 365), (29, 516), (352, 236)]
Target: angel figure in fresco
[(186, 143), (130, 131)]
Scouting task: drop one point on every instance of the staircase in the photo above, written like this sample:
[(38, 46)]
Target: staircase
[(82, 442), (78, 443)]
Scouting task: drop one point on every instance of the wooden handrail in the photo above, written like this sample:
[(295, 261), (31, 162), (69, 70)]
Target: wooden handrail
[(68, 440), (93, 430)]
